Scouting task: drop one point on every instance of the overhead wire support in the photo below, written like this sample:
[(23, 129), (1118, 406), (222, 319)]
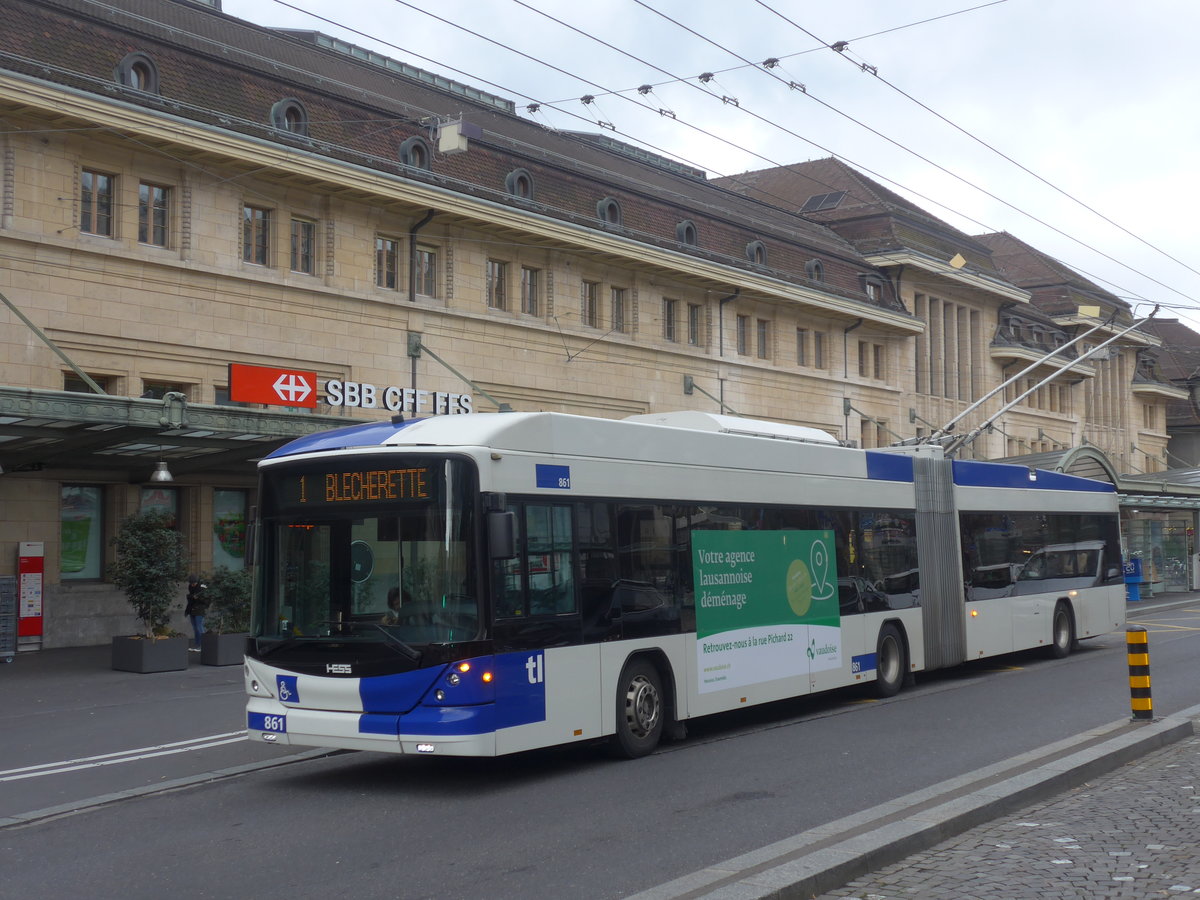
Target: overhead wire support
[(962, 440), (1062, 348)]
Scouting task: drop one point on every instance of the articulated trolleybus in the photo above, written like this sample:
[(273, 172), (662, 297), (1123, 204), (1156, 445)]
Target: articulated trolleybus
[(482, 584)]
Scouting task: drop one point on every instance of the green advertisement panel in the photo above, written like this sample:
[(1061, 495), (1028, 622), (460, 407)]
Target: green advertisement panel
[(766, 606)]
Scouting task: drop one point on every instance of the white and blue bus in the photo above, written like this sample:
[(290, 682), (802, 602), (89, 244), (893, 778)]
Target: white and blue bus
[(482, 584)]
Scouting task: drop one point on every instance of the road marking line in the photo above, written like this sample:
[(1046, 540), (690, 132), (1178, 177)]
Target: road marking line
[(123, 756)]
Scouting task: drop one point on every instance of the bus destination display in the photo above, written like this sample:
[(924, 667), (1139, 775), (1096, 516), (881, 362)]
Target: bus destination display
[(360, 486)]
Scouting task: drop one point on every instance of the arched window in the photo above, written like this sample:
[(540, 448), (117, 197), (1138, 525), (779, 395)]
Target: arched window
[(756, 252), (137, 70), (415, 154), (519, 183), (685, 232), (815, 269), (289, 115), (608, 211)]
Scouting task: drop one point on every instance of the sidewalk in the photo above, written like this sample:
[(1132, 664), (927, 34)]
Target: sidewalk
[(1130, 834)]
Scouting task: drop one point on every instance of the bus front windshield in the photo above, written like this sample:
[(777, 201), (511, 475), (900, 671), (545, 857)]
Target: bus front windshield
[(370, 549)]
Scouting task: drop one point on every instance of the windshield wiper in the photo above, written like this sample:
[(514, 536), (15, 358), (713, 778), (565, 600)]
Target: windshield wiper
[(406, 649), (285, 642)]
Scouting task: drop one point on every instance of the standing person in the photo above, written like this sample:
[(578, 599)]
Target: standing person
[(195, 609)]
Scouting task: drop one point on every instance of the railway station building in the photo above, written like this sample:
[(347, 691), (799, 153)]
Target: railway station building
[(216, 237)]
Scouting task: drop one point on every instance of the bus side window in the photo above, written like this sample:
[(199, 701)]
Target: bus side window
[(549, 563)]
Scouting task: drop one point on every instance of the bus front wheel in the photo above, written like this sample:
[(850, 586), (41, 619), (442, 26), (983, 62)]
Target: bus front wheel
[(640, 710), (1062, 632), (891, 662)]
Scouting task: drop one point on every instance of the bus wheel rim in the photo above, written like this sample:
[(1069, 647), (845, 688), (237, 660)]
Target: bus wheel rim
[(642, 706), (889, 663)]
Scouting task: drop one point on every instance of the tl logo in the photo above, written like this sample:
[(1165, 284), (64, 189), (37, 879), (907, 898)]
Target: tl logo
[(534, 670)]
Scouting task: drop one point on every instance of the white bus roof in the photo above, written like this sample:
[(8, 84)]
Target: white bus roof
[(705, 421)]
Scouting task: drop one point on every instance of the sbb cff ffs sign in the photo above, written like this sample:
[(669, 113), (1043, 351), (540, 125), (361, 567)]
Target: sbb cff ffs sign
[(279, 387)]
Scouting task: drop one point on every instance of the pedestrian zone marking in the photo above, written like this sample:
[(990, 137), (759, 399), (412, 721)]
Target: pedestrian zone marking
[(1165, 626), (123, 756)]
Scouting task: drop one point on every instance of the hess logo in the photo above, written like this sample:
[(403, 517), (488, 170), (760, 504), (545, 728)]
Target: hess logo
[(337, 668)]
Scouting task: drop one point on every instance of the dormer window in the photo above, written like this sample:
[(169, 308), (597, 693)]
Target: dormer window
[(872, 287), (815, 270), (685, 233), (756, 252), (415, 154), (519, 184), (137, 71), (608, 211), (290, 115)]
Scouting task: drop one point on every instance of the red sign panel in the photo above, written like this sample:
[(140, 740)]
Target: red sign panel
[(280, 387)]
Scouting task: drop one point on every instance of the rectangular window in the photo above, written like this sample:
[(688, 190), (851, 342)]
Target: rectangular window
[(256, 235), (530, 291), (96, 196), (387, 263), (763, 330), (802, 346), (694, 324), (589, 312), (818, 350), (426, 271), (81, 514), (75, 384), (161, 498), (497, 284), (229, 529), (156, 390), (743, 335), (878, 359), (154, 214), (221, 398), (670, 314), (304, 238), (618, 296), (541, 581)]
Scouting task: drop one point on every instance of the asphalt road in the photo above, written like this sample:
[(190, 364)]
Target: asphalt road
[(564, 823)]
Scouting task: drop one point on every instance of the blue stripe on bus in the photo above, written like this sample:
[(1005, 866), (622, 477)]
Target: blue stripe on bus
[(403, 704), (864, 663), (396, 693), (371, 435), (889, 466), (986, 474)]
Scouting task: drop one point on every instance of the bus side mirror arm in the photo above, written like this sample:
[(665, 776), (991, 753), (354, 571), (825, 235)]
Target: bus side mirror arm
[(502, 534)]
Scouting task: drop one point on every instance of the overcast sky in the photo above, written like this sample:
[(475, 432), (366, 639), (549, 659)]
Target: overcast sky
[(1098, 99)]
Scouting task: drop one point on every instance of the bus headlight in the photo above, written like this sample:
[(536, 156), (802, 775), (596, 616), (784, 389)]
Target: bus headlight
[(453, 679)]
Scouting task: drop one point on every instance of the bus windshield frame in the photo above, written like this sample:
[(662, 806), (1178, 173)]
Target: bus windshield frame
[(375, 552)]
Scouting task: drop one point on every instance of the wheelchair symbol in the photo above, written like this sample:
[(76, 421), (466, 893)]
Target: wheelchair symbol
[(284, 693)]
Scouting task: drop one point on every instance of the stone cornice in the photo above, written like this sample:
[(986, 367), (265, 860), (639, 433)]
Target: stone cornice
[(925, 263)]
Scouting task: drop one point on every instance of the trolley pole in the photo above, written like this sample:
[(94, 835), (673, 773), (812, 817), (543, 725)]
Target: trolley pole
[(1138, 652)]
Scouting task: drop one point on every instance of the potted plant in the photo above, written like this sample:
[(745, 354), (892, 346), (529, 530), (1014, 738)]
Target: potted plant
[(227, 622), (151, 562)]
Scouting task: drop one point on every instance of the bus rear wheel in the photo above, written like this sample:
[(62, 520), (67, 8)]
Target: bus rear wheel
[(891, 662), (1062, 632), (640, 710)]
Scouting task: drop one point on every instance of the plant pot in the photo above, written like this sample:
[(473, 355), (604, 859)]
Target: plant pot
[(139, 654), (222, 649)]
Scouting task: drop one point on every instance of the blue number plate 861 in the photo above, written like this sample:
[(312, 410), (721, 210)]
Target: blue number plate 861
[(266, 722)]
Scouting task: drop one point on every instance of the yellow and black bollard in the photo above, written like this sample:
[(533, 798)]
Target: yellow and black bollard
[(1138, 650)]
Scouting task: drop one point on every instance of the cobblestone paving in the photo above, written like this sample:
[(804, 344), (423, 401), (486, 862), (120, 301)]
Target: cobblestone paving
[(1134, 833)]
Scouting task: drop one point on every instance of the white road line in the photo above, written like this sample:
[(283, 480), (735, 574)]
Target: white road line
[(124, 756)]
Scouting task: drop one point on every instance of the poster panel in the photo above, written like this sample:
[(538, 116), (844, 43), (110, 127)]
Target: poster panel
[(766, 606)]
